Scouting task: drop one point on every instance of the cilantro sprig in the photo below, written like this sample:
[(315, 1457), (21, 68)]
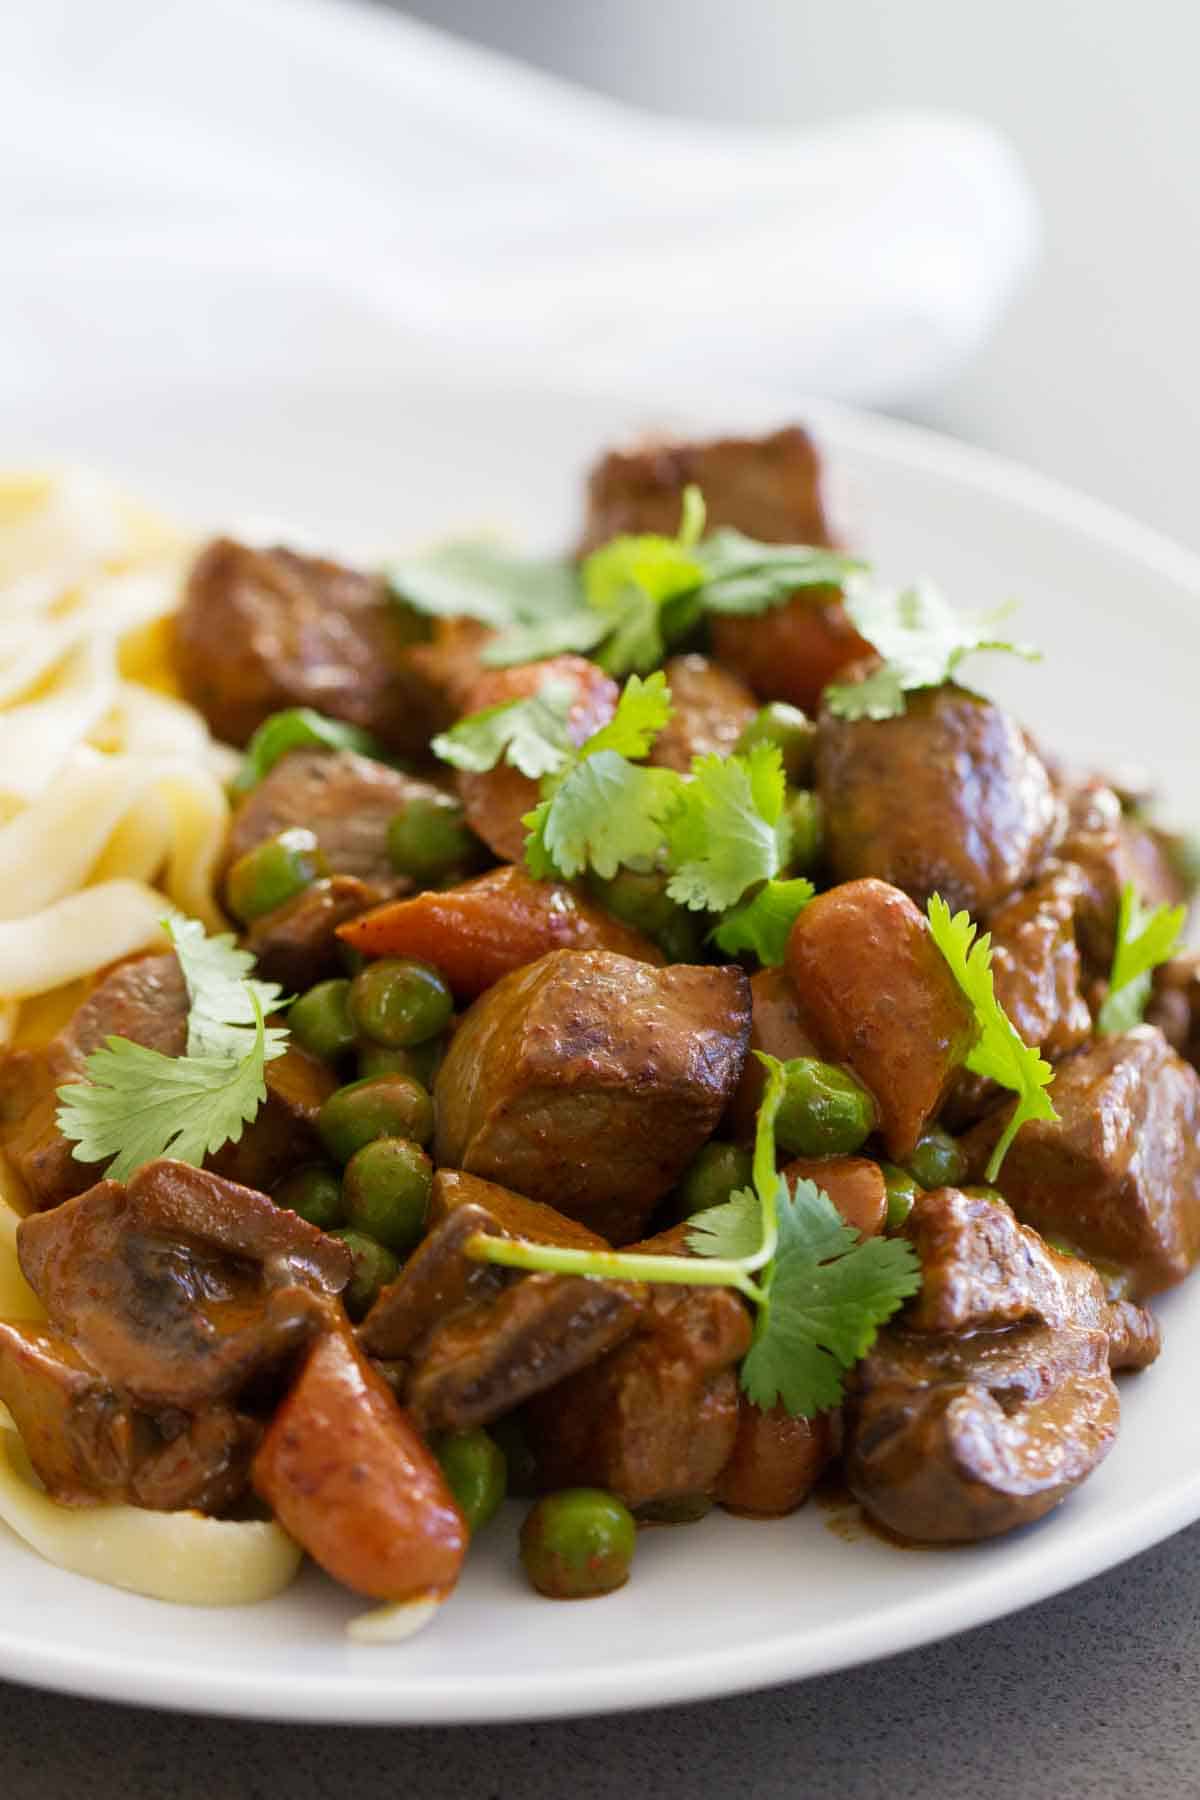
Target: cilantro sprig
[(1146, 937), (922, 641), (137, 1104), (820, 1293), (626, 603), (999, 1053)]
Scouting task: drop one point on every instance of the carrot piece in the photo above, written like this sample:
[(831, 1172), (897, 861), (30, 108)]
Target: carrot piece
[(487, 927)]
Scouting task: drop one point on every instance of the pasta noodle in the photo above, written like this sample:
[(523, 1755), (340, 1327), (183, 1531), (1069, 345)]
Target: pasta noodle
[(112, 797), (180, 1556)]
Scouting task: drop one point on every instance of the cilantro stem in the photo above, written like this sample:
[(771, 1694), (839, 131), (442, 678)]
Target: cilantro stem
[(619, 1265)]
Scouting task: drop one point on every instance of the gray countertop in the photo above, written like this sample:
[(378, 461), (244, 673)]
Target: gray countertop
[(1092, 1696)]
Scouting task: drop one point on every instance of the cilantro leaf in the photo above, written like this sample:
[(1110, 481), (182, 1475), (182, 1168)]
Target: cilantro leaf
[(630, 583), (137, 1104), (827, 1295), (604, 812), (223, 998), (474, 579), (745, 577), (763, 922), (922, 641), (642, 711), (530, 733), (733, 1229), (299, 728), (1146, 937), (726, 829), (999, 1052)]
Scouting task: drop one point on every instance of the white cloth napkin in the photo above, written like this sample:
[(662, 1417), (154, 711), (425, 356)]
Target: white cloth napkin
[(236, 187)]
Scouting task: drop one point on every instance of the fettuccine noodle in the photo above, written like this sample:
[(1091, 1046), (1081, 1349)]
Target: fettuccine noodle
[(112, 798)]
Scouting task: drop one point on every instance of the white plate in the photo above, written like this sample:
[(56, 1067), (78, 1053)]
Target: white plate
[(725, 1604)]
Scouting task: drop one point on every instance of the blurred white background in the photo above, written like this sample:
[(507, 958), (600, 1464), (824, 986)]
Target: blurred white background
[(1093, 376)]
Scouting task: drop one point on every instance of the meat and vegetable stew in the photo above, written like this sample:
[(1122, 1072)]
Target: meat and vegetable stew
[(675, 1039)]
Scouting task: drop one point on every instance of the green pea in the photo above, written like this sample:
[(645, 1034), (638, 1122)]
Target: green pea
[(641, 900), (378, 1106), (902, 1192), (274, 872), (937, 1160), (577, 1543), (804, 816), (824, 1112), (386, 1188), (429, 838), (397, 1002), (712, 1176), (420, 1061), (509, 1434), (372, 1267), (476, 1474), (320, 1020), (315, 1193), (793, 731)]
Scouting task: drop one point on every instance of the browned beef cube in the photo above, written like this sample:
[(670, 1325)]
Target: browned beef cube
[(1175, 1006), (982, 1270), (346, 799), (144, 999), (589, 1081), (261, 630), (1117, 1175), (775, 1028), (283, 1133), (1035, 960), (182, 1286), (297, 944), (711, 709), (768, 487), (657, 1418), (951, 1439), (477, 1341), (949, 798)]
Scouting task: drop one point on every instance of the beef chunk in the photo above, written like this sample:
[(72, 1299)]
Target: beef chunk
[(876, 994), (950, 798), (1117, 1174), (182, 1286), (776, 1460), (260, 630), (711, 709), (478, 1341), (589, 1081), (1109, 847), (145, 1000), (981, 1270), (297, 944), (483, 929), (346, 1474), (496, 800), (657, 1418), (951, 1439), (769, 488), (283, 1133), (1175, 1006), (346, 799), (86, 1443), (1036, 963)]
